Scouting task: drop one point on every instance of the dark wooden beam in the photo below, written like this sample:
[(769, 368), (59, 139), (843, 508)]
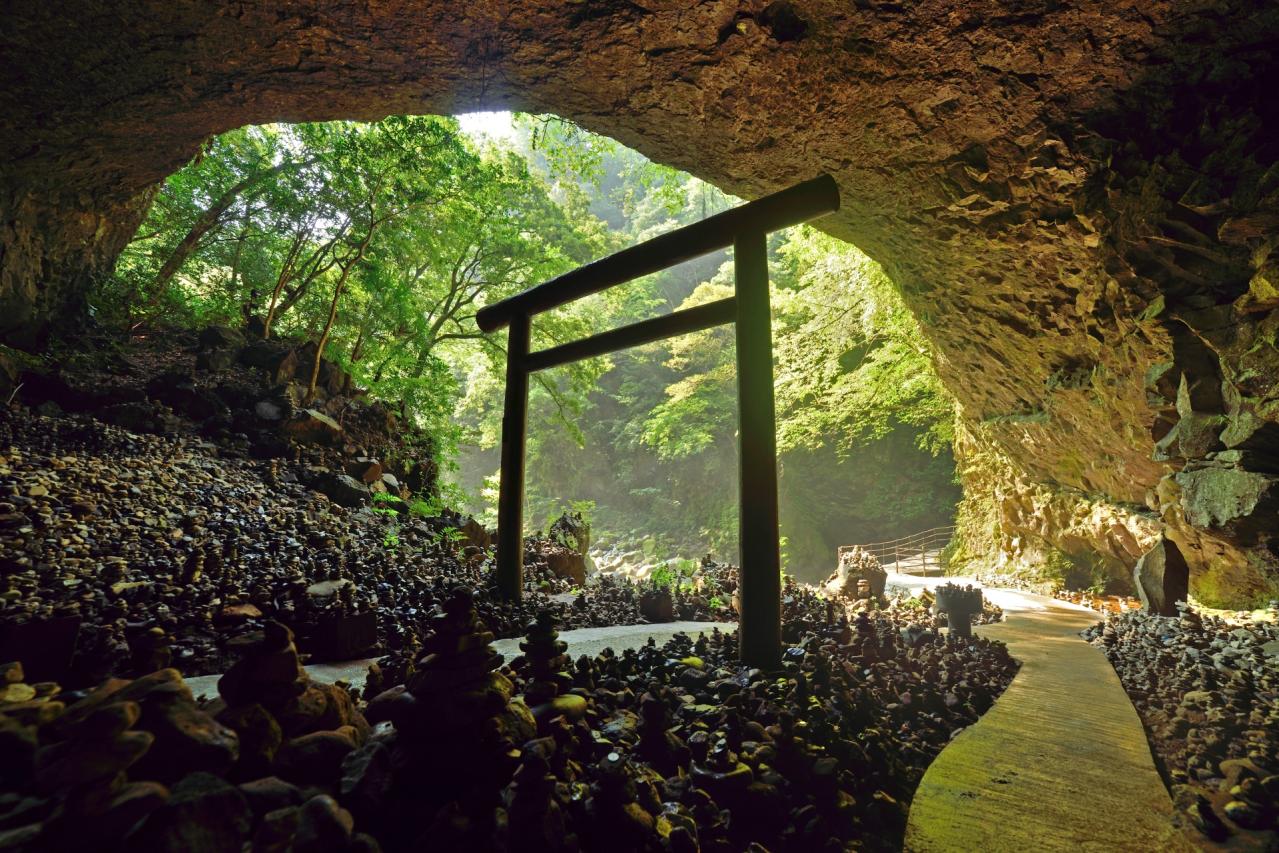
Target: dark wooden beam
[(791, 206), (644, 332), (759, 630), (510, 500)]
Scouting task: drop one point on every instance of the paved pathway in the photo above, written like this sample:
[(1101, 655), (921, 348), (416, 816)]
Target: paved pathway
[(582, 641), (1059, 763)]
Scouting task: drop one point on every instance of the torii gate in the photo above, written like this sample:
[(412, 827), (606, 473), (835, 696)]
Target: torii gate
[(746, 229)]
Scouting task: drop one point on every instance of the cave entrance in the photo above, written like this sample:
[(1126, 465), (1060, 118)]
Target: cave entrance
[(746, 229)]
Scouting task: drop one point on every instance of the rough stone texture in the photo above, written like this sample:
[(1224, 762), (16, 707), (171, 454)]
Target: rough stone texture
[(1077, 198), (1162, 578)]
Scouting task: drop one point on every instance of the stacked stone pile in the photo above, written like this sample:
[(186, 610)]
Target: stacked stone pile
[(674, 747), (138, 765), (139, 551), (1207, 690)]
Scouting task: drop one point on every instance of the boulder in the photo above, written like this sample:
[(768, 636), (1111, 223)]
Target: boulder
[(131, 804), (140, 418), (422, 477), (323, 827), (365, 470), (316, 758), (269, 794), (260, 738), (186, 738), (566, 564), (311, 426), (571, 531), (9, 373), (220, 337), (657, 605), (216, 359), (1162, 578), (278, 359), (343, 489), (178, 391)]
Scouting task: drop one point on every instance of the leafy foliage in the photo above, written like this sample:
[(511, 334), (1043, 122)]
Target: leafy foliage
[(382, 241)]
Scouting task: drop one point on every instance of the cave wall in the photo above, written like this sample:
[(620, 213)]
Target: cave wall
[(1079, 200)]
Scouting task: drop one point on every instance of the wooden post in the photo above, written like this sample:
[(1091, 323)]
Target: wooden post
[(760, 622), (510, 500)]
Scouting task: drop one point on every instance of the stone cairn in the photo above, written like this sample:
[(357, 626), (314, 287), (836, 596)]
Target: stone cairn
[(961, 605), (287, 723), (546, 667), (454, 745)]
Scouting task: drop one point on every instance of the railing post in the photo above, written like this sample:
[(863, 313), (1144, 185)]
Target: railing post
[(760, 620), (510, 500)]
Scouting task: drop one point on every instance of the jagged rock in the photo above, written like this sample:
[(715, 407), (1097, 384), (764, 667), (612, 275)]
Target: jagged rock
[(311, 426), (474, 535), (343, 489), (220, 337), (1162, 578), (571, 531), (563, 563), (1243, 502), (365, 470), (278, 359)]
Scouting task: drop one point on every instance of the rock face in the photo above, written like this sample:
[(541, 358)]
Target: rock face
[(1162, 578), (1077, 199)]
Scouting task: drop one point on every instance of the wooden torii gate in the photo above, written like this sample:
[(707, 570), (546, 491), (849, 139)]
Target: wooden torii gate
[(746, 229)]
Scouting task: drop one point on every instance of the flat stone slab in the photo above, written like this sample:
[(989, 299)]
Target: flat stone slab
[(581, 641), (1059, 763)]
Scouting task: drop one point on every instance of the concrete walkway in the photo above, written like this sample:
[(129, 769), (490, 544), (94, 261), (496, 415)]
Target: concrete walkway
[(1060, 763), (582, 641)]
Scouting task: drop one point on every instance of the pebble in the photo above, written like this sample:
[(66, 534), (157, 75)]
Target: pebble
[(1208, 694)]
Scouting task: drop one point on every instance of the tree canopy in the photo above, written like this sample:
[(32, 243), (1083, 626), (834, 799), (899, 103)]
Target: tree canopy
[(381, 241)]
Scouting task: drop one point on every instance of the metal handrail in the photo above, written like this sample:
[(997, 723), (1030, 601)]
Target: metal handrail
[(907, 549), (948, 529)]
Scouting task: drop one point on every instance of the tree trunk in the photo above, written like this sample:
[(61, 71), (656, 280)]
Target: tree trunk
[(205, 222), (317, 269), (286, 271), (333, 313)]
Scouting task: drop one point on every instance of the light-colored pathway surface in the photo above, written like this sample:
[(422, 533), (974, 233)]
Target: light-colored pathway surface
[(581, 641), (1059, 763)]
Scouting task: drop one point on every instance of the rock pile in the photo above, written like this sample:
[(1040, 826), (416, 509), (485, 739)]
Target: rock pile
[(137, 765), (859, 575), (1207, 690), (123, 552), (677, 747), (435, 779)]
